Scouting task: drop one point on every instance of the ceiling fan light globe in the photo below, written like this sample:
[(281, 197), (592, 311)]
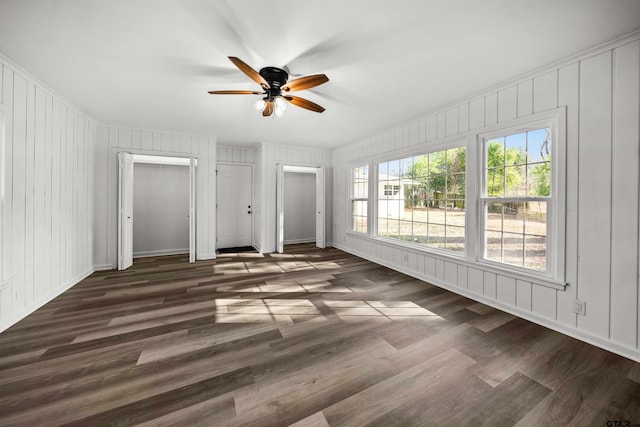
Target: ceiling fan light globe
[(260, 105)]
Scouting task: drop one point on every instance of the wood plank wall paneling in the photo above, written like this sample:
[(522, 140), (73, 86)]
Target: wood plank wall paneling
[(47, 210), (110, 140), (600, 93), (227, 154)]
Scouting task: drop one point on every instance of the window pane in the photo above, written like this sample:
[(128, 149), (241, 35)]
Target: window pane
[(383, 227), (495, 153), (420, 167), (516, 181), (394, 169), (513, 247), (513, 219), (517, 166), (383, 171), (536, 218), (359, 190), (419, 196), (494, 216), (455, 238), (536, 253), (495, 182), (539, 145), (493, 245), (539, 179), (406, 230), (393, 228), (436, 237), (406, 166), (516, 149), (420, 232), (456, 215)]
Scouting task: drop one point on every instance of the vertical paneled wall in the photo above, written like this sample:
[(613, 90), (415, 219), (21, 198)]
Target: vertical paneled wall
[(600, 91), (109, 141), (46, 194), (270, 155), (244, 155)]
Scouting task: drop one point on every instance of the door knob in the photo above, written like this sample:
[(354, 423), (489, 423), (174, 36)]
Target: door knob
[(248, 212)]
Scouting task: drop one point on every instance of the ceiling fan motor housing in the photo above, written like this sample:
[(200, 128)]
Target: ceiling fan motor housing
[(276, 77)]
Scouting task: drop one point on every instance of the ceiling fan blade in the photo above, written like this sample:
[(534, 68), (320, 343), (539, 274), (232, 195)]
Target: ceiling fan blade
[(305, 82), (253, 74), (268, 108), (234, 92), (304, 103)]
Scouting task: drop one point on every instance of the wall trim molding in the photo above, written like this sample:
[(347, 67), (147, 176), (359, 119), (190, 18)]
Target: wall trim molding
[(27, 310), (612, 346), (162, 252)]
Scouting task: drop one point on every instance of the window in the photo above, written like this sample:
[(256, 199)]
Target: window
[(421, 199), (391, 190), (359, 197), (517, 198)]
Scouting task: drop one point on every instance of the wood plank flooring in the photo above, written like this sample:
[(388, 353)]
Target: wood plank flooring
[(307, 338)]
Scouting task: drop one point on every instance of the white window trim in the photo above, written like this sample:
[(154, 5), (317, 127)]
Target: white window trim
[(366, 199), (556, 221)]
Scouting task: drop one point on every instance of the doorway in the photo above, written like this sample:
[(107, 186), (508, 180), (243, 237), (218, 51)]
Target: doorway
[(126, 204), (319, 205), (234, 205)]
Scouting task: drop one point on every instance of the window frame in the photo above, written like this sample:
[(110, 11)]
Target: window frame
[(374, 196), (353, 199), (555, 250)]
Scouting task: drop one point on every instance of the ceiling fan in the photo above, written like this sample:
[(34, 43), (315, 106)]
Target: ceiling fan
[(275, 88)]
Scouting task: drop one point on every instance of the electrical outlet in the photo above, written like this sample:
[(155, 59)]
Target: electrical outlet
[(580, 307)]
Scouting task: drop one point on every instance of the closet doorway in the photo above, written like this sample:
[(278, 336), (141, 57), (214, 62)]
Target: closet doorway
[(294, 204), (160, 192)]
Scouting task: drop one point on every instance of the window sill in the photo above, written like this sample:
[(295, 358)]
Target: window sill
[(460, 259)]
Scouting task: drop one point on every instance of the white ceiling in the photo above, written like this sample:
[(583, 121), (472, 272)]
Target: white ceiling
[(149, 64)]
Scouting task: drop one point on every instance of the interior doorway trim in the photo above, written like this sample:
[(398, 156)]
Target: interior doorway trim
[(320, 208), (250, 206), (126, 159)]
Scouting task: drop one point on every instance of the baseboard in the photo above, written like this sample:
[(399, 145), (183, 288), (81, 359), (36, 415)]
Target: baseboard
[(102, 267), (203, 257), (147, 254), (290, 242), (27, 310), (617, 348)]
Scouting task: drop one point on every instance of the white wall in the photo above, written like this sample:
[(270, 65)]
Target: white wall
[(109, 141), (600, 90), (299, 207), (270, 155), (160, 209), (46, 194)]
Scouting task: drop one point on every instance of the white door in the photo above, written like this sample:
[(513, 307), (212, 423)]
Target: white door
[(125, 210), (320, 239), (192, 209), (234, 205), (279, 208)]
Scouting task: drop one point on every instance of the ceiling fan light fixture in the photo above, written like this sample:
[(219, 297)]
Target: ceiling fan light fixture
[(275, 84), (281, 106), (260, 105)]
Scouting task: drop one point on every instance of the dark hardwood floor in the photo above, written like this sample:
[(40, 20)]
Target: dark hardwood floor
[(311, 337)]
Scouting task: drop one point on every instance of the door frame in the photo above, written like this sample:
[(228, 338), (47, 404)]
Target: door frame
[(321, 203), (193, 159), (251, 196)]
